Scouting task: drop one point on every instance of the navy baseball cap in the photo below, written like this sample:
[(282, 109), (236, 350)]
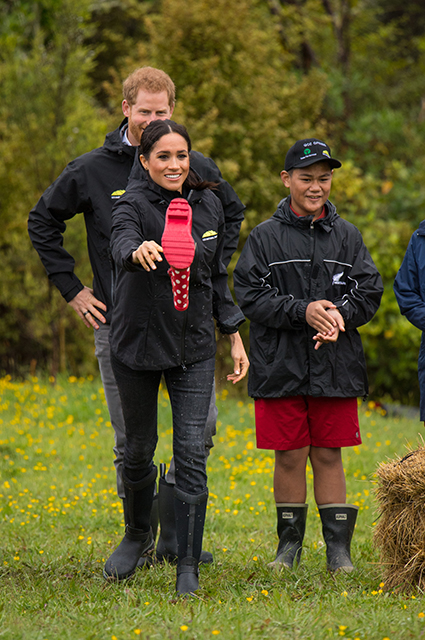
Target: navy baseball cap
[(309, 151)]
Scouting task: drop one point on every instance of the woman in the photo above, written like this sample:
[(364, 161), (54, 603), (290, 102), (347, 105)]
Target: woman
[(152, 335)]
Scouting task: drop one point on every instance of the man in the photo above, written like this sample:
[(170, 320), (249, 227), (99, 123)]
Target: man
[(90, 184)]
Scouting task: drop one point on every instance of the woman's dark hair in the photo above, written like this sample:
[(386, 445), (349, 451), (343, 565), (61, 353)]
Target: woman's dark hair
[(154, 132)]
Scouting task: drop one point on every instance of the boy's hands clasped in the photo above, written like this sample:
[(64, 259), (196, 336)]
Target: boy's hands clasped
[(323, 316)]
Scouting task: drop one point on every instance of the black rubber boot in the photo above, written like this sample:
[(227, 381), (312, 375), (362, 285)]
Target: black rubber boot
[(166, 548), (138, 534), (291, 519), (154, 515), (338, 521), (147, 559), (190, 513)]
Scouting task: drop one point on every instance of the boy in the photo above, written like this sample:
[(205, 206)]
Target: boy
[(306, 281), (409, 289)]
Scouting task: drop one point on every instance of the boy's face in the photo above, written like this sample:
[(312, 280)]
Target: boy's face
[(309, 187)]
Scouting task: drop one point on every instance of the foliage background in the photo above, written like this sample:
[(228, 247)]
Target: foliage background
[(252, 76)]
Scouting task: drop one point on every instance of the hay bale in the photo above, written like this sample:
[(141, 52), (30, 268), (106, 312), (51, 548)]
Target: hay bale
[(400, 530)]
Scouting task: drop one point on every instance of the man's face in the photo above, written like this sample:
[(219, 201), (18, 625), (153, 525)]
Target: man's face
[(147, 108), (310, 188)]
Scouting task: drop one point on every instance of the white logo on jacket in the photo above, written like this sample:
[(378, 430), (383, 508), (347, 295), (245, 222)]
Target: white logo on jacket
[(336, 279)]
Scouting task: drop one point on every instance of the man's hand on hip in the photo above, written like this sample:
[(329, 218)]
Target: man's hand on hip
[(87, 307)]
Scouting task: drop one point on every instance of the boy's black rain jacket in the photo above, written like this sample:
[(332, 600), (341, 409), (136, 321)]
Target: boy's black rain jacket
[(147, 332), (286, 263)]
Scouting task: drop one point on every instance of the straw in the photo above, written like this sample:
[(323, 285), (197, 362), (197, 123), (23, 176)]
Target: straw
[(399, 534)]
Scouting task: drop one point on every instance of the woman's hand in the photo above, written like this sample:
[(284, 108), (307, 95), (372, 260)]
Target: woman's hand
[(240, 359), (147, 254)]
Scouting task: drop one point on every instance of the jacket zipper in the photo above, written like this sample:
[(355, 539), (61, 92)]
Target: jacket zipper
[(183, 336), (183, 340), (113, 274), (312, 250)]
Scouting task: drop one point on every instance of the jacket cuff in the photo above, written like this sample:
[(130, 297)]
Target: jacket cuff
[(231, 324), (301, 309), (341, 308), (129, 265), (68, 284)]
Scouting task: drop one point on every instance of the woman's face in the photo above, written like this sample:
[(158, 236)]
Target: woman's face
[(168, 162)]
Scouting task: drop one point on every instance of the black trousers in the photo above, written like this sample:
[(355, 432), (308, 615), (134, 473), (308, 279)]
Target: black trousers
[(190, 390)]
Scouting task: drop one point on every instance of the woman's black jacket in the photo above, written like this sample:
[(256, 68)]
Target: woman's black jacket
[(147, 332), (286, 263)]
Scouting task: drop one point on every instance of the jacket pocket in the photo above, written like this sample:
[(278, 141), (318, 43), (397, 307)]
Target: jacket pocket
[(266, 341)]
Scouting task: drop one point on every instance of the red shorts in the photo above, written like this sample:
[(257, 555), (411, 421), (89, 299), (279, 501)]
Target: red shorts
[(283, 424)]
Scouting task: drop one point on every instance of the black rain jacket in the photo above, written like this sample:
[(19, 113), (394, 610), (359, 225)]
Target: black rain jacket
[(147, 332), (286, 263), (90, 184), (232, 206)]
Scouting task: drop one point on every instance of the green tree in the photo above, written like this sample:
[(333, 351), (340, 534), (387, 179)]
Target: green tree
[(118, 26), (236, 91), (47, 116)]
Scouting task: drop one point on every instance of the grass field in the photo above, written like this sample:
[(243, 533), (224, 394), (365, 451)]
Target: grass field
[(60, 519)]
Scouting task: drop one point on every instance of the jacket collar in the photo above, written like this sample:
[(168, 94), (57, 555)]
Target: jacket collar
[(113, 141), (421, 230), (285, 214), (156, 194)]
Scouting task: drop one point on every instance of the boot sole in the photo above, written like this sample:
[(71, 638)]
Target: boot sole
[(146, 562), (276, 565), (341, 569), (171, 559), (116, 578), (177, 241)]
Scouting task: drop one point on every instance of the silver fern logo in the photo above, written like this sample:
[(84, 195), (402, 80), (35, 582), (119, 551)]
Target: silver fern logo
[(336, 279)]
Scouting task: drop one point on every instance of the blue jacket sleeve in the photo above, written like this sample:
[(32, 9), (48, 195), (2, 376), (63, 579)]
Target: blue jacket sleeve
[(409, 282)]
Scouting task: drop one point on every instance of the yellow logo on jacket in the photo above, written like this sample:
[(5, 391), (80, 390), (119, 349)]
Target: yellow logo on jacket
[(209, 235), (117, 194)]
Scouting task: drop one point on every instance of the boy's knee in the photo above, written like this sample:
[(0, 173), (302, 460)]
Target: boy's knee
[(325, 456), (293, 459)]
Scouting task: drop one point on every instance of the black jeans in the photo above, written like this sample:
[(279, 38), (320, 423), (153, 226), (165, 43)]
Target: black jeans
[(190, 393)]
